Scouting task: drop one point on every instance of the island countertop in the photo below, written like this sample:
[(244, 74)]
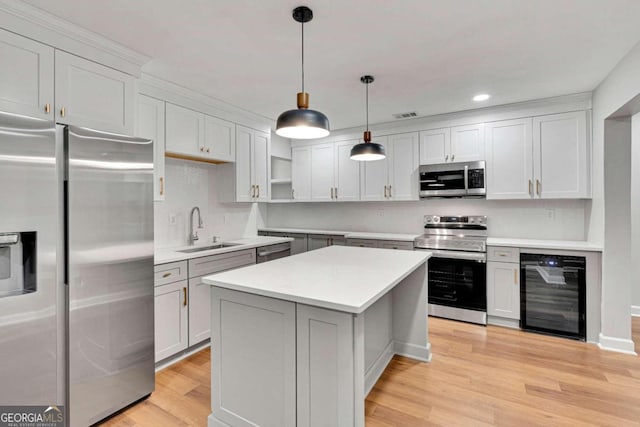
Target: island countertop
[(342, 278)]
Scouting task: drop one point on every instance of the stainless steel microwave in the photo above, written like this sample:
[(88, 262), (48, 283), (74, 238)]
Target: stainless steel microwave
[(463, 179)]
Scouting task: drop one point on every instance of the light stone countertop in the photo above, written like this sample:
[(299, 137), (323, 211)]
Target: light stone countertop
[(567, 245), (166, 255), (339, 278)]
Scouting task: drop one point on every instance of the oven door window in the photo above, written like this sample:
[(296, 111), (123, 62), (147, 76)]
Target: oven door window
[(445, 180), (458, 283)]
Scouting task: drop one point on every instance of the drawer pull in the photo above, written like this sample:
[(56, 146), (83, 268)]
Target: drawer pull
[(515, 277), (165, 275), (184, 291)]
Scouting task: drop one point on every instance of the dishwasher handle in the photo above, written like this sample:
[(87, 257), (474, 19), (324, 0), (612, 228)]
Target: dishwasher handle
[(274, 251)]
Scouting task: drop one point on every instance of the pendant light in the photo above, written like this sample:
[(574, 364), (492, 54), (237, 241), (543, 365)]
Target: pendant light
[(302, 123), (367, 151)]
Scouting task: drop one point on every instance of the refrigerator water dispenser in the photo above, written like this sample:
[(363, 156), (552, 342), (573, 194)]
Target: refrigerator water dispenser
[(17, 263)]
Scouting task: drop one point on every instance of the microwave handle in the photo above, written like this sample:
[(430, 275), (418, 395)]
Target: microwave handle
[(466, 178)]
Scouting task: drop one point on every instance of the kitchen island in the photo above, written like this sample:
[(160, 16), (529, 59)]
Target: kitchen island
[(302, 340)]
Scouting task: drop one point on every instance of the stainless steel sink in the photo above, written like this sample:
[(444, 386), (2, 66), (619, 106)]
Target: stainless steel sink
[(208, 248)]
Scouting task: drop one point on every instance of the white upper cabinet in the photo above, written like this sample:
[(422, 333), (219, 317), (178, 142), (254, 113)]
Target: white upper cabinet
[(322, 157), (346, 172), (375, 174), (185, 130), (219, 139), (192, 134), (509, 156), (467, 143), (545, 157), (395, 177), (403, 166), (26, 76), (92, 95), (261, 160), (435, 146), (562, 152), (301, 173), (456, 144), (252, 165), (325, 172), (150, 124)]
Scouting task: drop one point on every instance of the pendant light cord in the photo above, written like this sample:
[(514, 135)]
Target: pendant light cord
[(302, 57), (367, 97)]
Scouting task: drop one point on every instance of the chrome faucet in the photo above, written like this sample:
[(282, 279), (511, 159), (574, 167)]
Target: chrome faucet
[(193, 235)]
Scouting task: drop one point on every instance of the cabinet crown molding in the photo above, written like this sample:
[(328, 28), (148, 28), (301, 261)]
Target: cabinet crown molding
[(44, 27)]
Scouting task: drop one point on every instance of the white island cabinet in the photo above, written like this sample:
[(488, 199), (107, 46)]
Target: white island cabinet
[(301, 341)]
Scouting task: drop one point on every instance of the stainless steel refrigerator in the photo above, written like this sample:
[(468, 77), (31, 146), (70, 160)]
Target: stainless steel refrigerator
[(76, 268)]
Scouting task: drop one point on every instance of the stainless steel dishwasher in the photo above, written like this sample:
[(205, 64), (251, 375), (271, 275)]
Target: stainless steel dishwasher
[(271, 252)]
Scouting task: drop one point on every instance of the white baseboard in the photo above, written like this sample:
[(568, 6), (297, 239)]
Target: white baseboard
[(502, 321), (378, 367), (635, 310), (413, 351), (617, 344), (172, 360)]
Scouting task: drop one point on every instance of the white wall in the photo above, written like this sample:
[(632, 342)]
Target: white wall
[(615, 91), (635, 214), (190, 184), (536, 219)]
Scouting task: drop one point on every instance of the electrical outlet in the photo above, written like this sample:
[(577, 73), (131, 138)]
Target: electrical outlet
[(551, 213), (381, 213), (172, 219), (225, 218)]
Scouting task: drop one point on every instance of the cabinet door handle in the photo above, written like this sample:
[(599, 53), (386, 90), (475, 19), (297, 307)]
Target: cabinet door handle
[(208, 150), (47, 108), (165, 275), (184, 292), (258, 193), (63, 112), (293, 193), (161, 186), (253, 191), (336, 190), (538, 186), (530, 187), (515, 277), (331, 193), (389, 191), (385, 191), (446, 158), (453, 157), (202, 149)]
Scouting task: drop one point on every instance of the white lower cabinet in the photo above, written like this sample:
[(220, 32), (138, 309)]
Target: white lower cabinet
[(183, 306), (171, 319), (503, 285), (199, 311), (325, 367), (259, 353)]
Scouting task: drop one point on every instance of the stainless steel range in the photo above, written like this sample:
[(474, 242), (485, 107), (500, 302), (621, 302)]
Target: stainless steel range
[(457, 269)]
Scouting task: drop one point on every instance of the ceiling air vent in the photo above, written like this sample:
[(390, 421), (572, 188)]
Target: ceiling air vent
[(405, 115)]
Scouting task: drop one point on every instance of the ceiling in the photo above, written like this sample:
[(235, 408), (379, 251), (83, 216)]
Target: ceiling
[(429, 56)]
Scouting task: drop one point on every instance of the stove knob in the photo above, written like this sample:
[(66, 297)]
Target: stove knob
[(436, 219), (428, 219)]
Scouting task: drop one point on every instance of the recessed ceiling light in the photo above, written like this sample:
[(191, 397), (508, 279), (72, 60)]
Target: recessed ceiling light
[(481, 97)]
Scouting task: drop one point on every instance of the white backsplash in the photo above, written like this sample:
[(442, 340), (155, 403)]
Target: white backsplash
[(190, 184), (533, 219)]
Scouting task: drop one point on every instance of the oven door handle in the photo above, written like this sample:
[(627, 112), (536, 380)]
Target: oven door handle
[(471, 256)]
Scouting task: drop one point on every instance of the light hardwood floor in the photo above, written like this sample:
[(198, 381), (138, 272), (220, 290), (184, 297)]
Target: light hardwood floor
[(478, 377)]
